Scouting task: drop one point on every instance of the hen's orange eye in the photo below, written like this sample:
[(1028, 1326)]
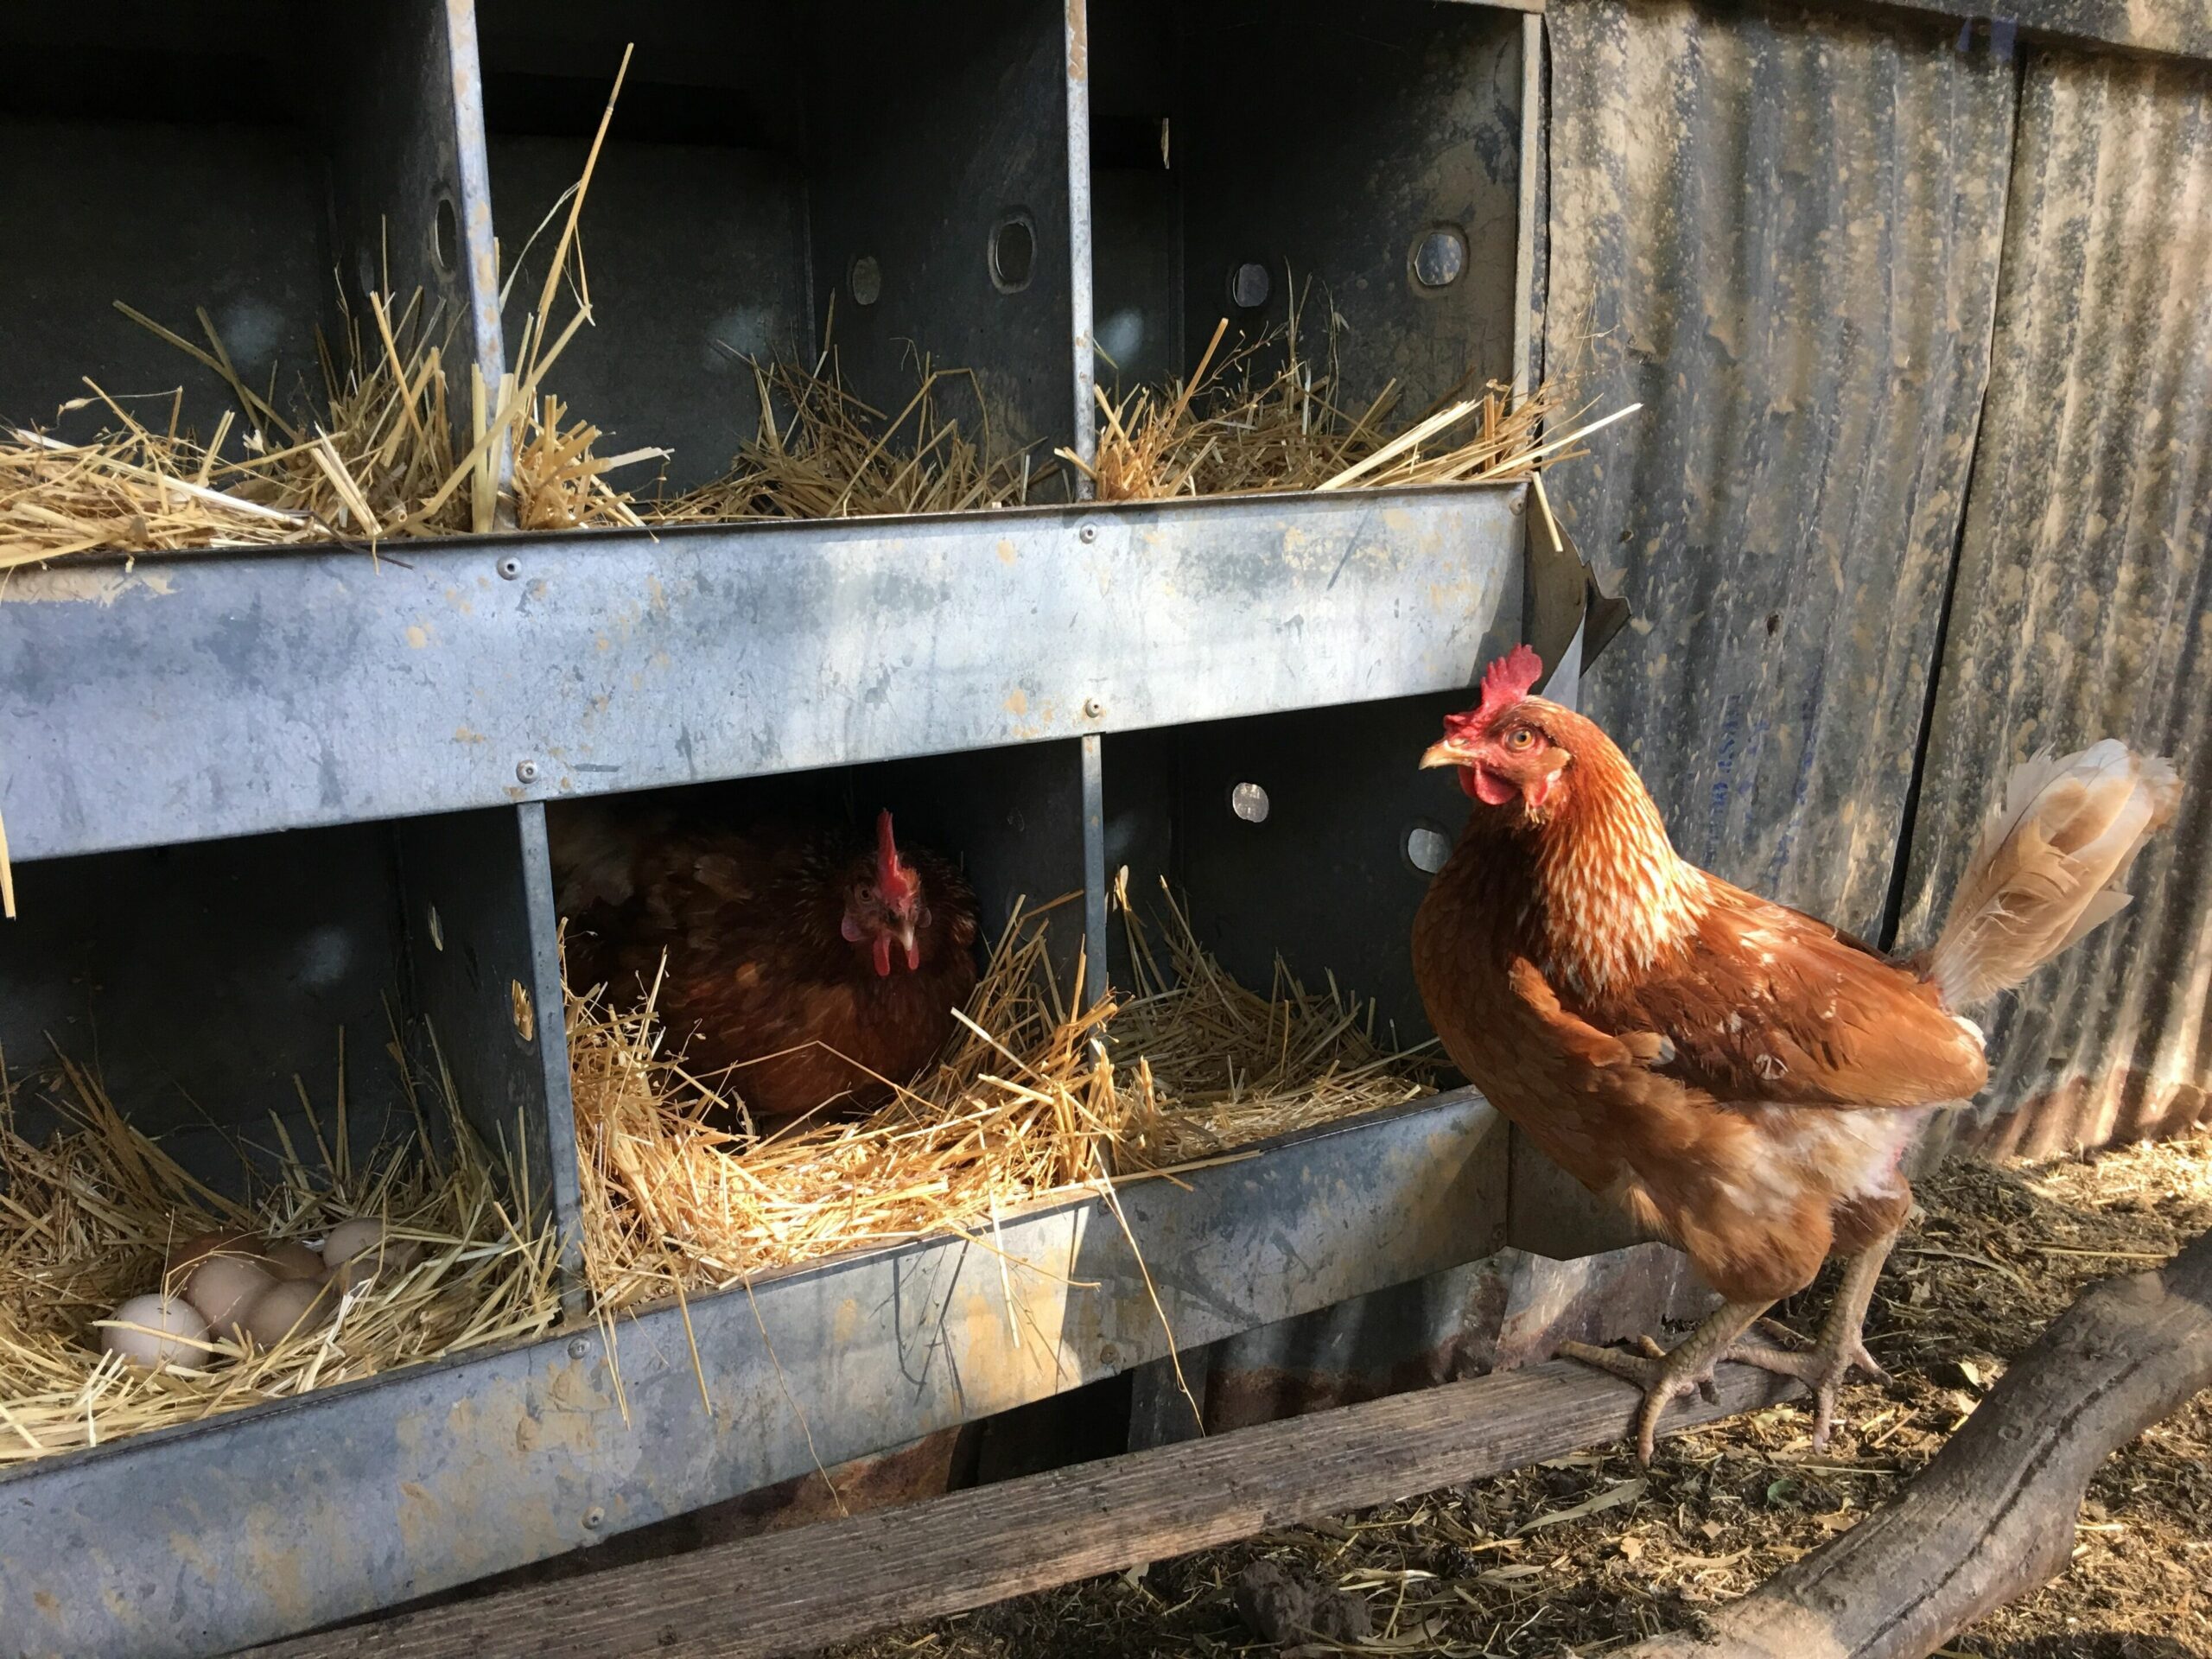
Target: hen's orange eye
[(1520, 739)]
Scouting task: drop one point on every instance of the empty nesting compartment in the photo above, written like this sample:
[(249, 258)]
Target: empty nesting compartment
[(1305, 839), (886, 178), (224, 159), (1367, 158)]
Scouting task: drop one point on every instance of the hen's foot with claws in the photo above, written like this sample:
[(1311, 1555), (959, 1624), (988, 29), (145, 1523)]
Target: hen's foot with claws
[(1822, 1368), (1666, 1376)]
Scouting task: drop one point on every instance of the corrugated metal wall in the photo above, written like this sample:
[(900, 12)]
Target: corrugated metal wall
[(1780, 231), (1810, 245), (2083, 603)]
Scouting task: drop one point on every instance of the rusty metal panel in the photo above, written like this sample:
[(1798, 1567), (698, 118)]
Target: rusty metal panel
[(1780, 231), (2083, 603)]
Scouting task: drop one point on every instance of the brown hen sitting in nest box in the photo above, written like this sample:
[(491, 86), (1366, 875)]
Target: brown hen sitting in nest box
[(818, 971)]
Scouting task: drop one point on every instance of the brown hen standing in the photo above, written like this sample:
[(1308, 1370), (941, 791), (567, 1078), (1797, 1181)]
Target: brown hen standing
[(1743, 1079), (818, 971)]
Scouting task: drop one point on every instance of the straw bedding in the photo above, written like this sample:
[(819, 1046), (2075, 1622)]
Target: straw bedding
[(86, 1217), (373, 456), (1267, 415), (1035, 1097)]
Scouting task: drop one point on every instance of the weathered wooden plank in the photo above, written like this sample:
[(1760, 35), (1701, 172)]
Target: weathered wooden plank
[(2083, 603), (1779, 229), (819, 1585)]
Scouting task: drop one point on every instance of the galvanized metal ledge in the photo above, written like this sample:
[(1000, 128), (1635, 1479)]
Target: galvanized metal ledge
[(225, 694), (285, 1517)]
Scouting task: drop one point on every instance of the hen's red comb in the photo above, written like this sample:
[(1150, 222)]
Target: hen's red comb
[(1507, 680), (892, 877)]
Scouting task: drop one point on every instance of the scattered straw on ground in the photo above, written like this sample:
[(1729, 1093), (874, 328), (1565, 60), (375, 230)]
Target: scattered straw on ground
[(1034, 1098), (1584, 1556), (86, 1217)]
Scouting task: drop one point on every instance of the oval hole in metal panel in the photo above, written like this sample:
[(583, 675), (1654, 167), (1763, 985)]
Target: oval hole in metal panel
[(1013, 253)]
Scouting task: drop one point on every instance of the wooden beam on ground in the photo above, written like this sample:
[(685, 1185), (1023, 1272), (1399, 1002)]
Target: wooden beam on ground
[(1994, 1515), (817, 1586)]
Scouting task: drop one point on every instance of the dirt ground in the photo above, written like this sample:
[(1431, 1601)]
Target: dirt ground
[(1586, 1555)]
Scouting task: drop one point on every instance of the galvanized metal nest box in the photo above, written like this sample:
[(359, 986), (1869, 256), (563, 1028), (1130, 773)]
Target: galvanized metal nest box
[(255, 798)]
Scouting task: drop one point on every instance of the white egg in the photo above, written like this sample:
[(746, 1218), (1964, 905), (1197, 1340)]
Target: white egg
[(350, 1238), (299, 1304), (290, 1259), (223, 1286), (165, 1319)]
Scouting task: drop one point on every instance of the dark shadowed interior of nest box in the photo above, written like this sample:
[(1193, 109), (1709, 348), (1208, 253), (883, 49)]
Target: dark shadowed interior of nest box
[(210, 984), (1240, 146), (245, 157), (765, 168)]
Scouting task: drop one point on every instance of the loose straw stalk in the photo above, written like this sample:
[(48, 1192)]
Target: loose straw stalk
[(1030, 1100)]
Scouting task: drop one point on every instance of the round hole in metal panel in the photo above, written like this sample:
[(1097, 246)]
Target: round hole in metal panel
[(1013, 253), (437, 929), (1427, 849), (1249, 285), (1440, 257), (1249, 803), (865, 280), (445, 237)]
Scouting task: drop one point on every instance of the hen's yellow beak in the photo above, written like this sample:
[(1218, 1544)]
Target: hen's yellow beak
[(1444, 754)]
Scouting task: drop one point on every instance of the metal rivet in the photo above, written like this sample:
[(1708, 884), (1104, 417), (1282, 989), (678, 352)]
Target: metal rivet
[(1249, 285), (579, 1348), (1092, 708), (1440, 257), (1427, 849), (594, 1518), (1249, 803), (865, 280), (510, 566), (1088, 533), (1108, 1353), (527, 771)]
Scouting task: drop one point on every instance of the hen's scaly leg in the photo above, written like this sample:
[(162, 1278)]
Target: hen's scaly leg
[(1666, 1376), (1842, 1343)]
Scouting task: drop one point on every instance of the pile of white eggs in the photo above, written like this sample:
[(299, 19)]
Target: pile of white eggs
[(232, 1286)]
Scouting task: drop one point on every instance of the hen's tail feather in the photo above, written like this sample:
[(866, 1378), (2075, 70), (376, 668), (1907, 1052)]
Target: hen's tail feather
[(2051, 865)]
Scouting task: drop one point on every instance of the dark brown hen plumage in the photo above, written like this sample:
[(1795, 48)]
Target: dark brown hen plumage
[(782, 955)]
